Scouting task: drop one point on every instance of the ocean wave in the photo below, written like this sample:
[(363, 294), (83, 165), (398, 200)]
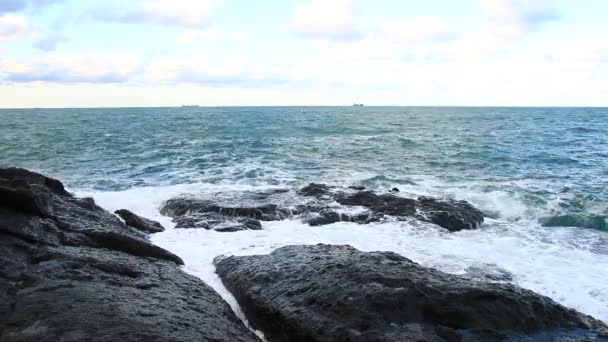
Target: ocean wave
[(540, 259), (576, 220)]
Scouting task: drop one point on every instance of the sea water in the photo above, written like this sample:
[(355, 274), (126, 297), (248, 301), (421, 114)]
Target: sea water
[(519, 165)]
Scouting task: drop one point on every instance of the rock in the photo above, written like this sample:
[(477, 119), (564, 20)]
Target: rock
[(488, 272), (138, 222), (328, 216), (71, 271), (317, 204), (218, 222), (452, 215), (357, 187), (314, 190), (337, 293), (395, 190), (184, 206)]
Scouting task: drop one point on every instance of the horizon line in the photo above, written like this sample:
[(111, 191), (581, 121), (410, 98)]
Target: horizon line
[(326, 106)]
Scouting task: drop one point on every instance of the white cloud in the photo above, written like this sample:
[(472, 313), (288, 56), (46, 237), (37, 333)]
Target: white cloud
[(323, 19), (185, 13), (512, 19), (506, 22), (49, 42), (89, 68), (192, 36), (419, 29), (13, 26), (226, 72), (188, 13)]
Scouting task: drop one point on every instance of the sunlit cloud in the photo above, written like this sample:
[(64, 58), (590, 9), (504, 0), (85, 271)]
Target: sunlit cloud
[(91, 68), (321, 19), (185, 13)]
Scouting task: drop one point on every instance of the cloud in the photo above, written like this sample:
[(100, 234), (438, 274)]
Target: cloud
[(506, 22), (420, 29), (13, 26), (513, 19), (11, 5), (20, 5), (50, 41), (322, 19), (185, 13), (71, 69), (231, 72), (198, 35)]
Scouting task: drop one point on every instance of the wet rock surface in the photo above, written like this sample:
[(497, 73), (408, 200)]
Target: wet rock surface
[(320, 204), (141, 223), (488, 272), (217, 222), (337, 293), (71, 271)]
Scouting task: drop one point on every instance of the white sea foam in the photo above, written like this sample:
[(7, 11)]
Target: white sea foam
[(567, 264)]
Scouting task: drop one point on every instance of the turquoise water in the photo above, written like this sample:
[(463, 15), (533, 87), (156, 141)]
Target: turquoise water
[(539, 175), (550, 160)]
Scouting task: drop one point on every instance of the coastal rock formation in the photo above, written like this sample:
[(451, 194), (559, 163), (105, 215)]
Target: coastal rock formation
[(319, 204), (71, 271), (337, 293), (138, 222), (217, 222)]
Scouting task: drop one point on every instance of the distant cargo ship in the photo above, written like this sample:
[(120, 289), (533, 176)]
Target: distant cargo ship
[(190, 106), (358, 105)]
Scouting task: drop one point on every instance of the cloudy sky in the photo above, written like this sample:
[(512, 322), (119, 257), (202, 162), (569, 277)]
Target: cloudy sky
[(90, 53)]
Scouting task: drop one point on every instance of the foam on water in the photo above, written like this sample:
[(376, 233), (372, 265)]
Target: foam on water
[(566, 264)]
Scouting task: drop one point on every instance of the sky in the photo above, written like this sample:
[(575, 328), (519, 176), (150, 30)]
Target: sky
[(119, 53)]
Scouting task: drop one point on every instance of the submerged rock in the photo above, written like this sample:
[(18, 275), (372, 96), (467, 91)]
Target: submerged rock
[(488, 272), (138, 222), (71, 271), (217, 222), (452, 215), (319, 204), (337, 293), (184, 206)]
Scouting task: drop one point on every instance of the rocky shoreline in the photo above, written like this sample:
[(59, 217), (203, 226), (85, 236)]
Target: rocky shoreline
[(71, 271)]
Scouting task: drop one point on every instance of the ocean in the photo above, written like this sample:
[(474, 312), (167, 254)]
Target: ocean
[(540, 175)]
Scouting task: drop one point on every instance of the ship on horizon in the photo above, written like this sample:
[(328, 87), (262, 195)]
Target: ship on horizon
[(357, 104)]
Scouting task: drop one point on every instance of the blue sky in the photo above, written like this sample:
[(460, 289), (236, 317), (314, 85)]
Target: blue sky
[(85, 53)]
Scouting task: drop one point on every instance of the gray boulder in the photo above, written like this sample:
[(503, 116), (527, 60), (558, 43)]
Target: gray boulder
[(138, 222), (337, 293), (71, 271)]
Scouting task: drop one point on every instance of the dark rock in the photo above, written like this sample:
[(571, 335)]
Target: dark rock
[(357, 187), (315, 190), (337, 293), (138, 222), (488, 272), (328, 216), (395, 190), (183, 206), (452, 215), (71, 271), (316, 204), (128, 244), (218, 222)]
